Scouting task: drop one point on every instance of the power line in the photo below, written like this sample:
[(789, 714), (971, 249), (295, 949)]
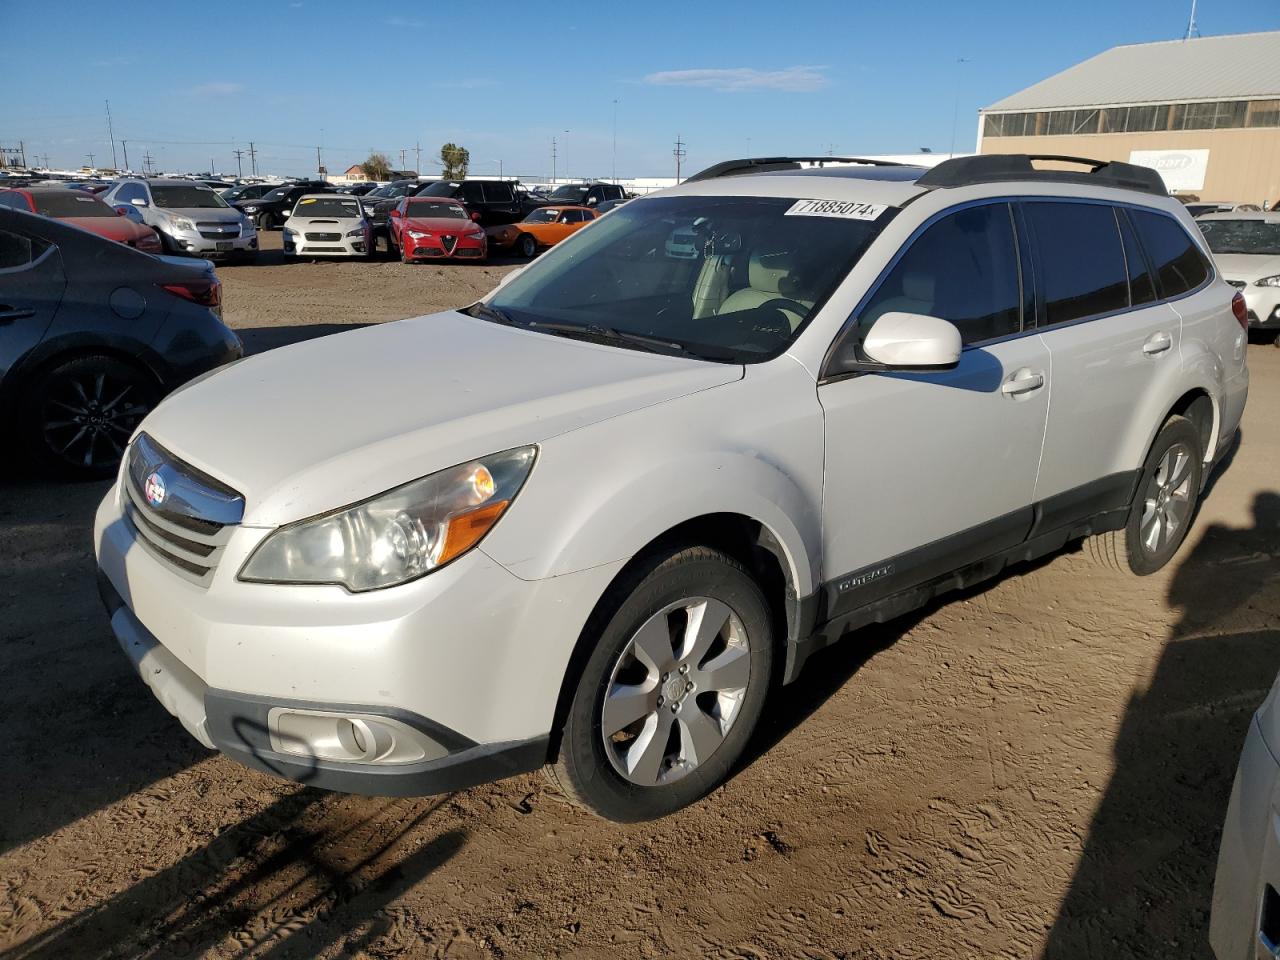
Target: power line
[(679, 153), (239, 168)]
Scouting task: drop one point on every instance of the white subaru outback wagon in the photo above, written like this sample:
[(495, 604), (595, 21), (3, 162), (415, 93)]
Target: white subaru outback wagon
[(589, 521)]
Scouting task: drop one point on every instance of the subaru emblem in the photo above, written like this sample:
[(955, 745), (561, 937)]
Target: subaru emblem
[(155, 490)]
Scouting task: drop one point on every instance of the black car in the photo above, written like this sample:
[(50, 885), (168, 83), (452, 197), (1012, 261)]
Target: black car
[(497, 201), (247, 191), (272, 209), (92, 335), (358, 189), (587, 194)]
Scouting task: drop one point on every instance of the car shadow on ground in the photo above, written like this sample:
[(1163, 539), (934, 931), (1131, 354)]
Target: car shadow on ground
[(314, 871), (1144, 881)]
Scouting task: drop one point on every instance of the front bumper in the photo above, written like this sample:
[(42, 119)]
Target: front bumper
[(450, 680), (299, 246), (191, 242), (432, 248), (1248, 874), (1263, 304)]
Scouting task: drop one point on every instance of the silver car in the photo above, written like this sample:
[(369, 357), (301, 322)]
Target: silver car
[(328, 225), (1246, 247), (190, 217)]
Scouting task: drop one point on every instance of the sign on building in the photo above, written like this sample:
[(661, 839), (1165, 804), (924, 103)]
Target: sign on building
[(1180, 169)]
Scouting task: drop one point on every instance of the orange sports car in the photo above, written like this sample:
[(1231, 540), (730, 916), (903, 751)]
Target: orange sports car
[(544, 227)]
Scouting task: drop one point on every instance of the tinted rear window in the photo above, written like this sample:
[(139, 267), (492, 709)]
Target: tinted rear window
[(71, 203), (1080, 259), (1178, 262)]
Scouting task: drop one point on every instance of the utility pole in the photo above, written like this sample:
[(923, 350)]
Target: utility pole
[(417, 163), (253, 159), (319, 163), (1192, 29), (125, 144), (553, 160), (111, 134), (90, 156), (148, 164), (402, 153), (239, 168), (614, 165), (679, 153)]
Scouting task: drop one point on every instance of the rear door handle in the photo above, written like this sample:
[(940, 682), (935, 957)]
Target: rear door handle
[(9, 314), (1157, 343), (1022, 381)]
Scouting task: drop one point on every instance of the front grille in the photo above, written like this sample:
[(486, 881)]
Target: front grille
[(468, 252), (448, 243), (427, 252), (219, 231), (325, 250), (1238, 284), (323, 237), (193, 517)]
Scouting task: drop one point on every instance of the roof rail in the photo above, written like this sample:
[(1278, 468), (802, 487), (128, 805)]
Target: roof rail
[(731, 168), (1000, 167)]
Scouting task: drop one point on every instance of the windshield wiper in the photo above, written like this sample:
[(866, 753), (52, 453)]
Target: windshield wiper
[(596, 331), (482, 311)]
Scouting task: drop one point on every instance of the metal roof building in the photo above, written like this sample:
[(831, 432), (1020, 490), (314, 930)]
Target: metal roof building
[(1205, 112)]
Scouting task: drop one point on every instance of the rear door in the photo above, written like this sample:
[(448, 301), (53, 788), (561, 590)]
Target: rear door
[(32, 283), (1110, 341), (928, 471), (501, 204)]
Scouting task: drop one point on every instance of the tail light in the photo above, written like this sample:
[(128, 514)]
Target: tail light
[(207, 293), (1240, 310)]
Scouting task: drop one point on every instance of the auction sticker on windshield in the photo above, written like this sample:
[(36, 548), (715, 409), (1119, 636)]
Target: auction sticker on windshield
[(846, 209)]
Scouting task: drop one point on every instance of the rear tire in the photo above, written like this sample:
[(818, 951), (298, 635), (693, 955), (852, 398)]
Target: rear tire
[(683, 653), (1163, 507), (76, 417), (527, 246)]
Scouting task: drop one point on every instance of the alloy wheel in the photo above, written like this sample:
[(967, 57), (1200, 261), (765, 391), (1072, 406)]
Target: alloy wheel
[(1167, 501), (90, 415), (675, 691)]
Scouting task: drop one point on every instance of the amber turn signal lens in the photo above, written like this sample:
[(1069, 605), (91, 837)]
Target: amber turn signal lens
[(466, 529)]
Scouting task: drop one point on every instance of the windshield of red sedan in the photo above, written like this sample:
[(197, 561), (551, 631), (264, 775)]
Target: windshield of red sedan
[(71, 203), (434, 209)]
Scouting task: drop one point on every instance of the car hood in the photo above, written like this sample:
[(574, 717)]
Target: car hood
[(1247, 266), (203, 214), (120, 229), (442, 224), (345, 223), (305, 429)]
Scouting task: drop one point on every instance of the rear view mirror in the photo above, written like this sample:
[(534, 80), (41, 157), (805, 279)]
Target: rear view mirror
[(912, 340)]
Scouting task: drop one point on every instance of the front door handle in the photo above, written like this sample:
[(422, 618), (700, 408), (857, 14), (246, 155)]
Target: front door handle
[(9, 314), (1022, 381), (1157, 343)]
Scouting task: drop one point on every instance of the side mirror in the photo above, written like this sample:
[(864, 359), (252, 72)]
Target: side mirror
[(122, 211), (139, 202), (912, 340), (394, 213), (475, 215)]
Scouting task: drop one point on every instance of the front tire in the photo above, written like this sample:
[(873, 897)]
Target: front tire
[(1163, 507), (527, 246), (673, 689)]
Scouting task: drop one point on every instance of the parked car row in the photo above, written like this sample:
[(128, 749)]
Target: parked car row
[(1246, 248)]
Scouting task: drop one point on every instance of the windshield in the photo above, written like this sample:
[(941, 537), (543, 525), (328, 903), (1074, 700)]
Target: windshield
[(178, 198), (428, 209), (441, 188), (1242, 236), (545, 215), (724, 278), (336, 206), (71, 203), (570, 193)]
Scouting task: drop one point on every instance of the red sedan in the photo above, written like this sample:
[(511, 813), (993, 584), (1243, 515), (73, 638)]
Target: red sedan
[(84, 210), (435, 228)]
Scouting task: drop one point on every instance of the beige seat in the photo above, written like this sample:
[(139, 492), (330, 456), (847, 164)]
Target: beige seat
[(770, 280), (916, 296)]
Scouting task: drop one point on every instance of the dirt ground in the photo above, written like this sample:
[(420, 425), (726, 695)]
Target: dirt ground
[(1038, 768)]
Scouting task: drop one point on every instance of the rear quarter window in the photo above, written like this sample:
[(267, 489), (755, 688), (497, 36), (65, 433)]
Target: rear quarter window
[(1178, 263)]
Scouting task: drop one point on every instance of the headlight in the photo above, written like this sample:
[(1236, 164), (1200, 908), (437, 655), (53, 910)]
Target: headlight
[(418, 235), (181, 223), (290, 233), (478, 235), (1272, 281), (246, 225), (399, 535), (358, 232), (251, 209)]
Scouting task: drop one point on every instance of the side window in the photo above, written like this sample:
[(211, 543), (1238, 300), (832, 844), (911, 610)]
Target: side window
[(18, 251), (127, 194), (1079, 258), (10, 200), (1142, 288), (498, 193), (471, 193), (964, 268), (1177, 261)]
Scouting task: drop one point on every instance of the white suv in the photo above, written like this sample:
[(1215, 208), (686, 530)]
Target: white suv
[(589, 521)]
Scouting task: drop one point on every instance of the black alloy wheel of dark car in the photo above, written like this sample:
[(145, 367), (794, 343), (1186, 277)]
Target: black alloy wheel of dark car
[(528, 246), (80, 414)]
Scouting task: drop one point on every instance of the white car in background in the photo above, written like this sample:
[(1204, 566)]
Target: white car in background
[(592, 519), (1246, 247), (328, 225)]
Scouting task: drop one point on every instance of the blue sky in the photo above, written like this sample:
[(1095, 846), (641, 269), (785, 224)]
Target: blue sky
[(191, 82)]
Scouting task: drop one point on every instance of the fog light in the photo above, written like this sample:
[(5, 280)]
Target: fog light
[(352, 738)]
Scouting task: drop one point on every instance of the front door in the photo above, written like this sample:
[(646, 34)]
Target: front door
[(929, 471), (31, 286)]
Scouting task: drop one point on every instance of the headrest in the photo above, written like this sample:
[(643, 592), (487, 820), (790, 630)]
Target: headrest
[(770, 271), (918, 286)]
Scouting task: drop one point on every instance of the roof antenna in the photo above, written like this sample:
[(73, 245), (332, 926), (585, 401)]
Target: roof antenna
[(1192, 29)]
